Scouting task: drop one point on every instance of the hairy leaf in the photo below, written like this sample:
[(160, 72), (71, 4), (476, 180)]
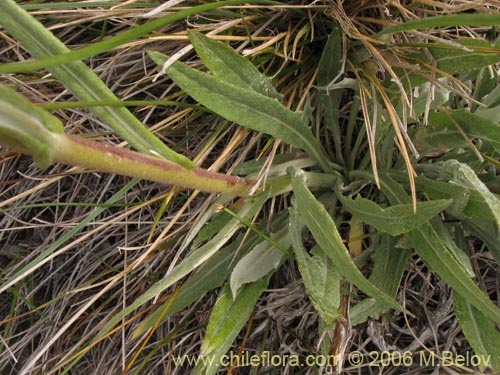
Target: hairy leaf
[(229, 66), (211, 275), (330, 69), (477, 54), (467, 202), (459, 253), (443, 134), (328, 238), (481, 332), (431, 248), (488, 232), (321, 279), (261, 260), (226, 321), (397, 219), (465, 177), (245, 107)]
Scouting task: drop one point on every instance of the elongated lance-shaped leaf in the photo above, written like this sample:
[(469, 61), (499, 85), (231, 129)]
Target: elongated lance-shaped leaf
[(458, 252), (476, 54), (227, 320), (481, 332), (397, 219), (467, 203), (444, 132), (245, 107), (82, 82), (325, 232), (330, 71), (261, 260), (229, 66), (465, 176), (212, 273), (488, 232), (321, 279), (434, 252)]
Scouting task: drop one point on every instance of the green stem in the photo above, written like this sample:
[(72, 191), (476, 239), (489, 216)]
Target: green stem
[(111, 159), (27, 128)]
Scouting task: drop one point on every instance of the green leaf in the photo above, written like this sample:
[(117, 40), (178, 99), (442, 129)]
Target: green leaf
[(447, 60), (229, 66), (213, 272), (82, 81), (442, 134), (454, 60), (466, 202), (471, 19), (481, 332), (226, 321), (486, 82), (489, 114), (321, 279), (434, 252), (211, 229), (330, 63), (493, 98), (397, 219), (467, 178), (388, 268), (330, 68), (200, 231), (459, 254), (261, 260), (328, 238), (245, 107), (440, 95)]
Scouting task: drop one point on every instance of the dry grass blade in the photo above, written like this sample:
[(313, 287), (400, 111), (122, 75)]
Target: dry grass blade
[(370, 125), (348, 26), (462, 132)]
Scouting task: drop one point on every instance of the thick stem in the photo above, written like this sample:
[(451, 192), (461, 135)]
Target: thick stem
[(106, 158)]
